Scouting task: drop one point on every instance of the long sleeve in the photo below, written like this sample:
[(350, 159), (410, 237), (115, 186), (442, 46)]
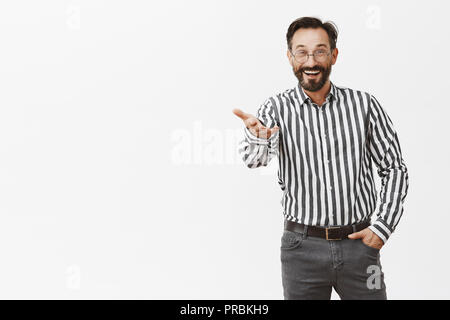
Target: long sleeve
[(384, 149), (256, 152)]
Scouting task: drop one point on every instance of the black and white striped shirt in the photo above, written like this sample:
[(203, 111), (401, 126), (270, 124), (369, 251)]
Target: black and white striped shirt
[(325, 156)]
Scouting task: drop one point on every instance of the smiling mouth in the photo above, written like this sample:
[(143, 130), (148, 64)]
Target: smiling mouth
[(311, 73)]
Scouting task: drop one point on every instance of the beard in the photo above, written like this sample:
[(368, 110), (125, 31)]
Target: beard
[(313, 84)]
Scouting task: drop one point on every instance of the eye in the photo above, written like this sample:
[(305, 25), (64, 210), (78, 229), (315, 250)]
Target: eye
[(300, 52), (320, 52)]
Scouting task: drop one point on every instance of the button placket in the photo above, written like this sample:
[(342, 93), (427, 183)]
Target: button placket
[(326, 159)]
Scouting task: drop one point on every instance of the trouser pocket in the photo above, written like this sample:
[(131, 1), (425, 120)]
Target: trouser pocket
[(291, 240)]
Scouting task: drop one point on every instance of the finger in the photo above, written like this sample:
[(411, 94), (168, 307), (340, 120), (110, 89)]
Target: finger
[(241, 114), (356, 235), (268, 132), (262, 131), (274, 130)]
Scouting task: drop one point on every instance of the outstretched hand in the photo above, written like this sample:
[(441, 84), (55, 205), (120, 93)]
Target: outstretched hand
[(254, 125)]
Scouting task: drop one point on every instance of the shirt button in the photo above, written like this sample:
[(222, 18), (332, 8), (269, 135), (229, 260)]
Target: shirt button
[(331, 188)]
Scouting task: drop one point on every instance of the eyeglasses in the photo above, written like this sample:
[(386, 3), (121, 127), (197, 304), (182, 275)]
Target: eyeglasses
[(301, 56)]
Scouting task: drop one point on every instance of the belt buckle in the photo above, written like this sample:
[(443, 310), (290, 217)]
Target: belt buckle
[(326, 231)]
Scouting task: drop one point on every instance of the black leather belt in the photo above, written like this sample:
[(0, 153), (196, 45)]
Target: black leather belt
[(328, 233)]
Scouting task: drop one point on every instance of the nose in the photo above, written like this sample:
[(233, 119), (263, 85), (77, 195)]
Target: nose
[(310, 63)]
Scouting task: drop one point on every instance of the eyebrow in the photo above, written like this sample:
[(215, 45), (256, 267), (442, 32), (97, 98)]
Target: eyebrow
[(303, 46)]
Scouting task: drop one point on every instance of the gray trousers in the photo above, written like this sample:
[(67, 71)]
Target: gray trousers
[(312, 266)]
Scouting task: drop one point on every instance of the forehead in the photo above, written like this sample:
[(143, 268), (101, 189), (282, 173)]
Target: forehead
[(310, 38)]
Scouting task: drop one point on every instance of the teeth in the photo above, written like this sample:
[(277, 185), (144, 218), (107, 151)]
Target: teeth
[(312, 72)]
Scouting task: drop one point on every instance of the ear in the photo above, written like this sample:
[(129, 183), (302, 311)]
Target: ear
[(290, 58), (334, 55)]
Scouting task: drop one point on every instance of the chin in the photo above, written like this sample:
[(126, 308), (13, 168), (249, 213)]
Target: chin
[(312, 86)]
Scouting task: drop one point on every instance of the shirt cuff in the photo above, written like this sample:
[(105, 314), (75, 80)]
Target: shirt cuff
[(380, 228)]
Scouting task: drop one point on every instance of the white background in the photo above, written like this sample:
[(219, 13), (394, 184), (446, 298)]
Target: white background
[(119, 173)]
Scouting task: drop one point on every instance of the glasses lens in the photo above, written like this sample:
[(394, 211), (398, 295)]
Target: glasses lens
[(320, 56), (300, 57)]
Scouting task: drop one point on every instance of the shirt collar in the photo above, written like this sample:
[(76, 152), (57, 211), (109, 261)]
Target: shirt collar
[(303, 97)]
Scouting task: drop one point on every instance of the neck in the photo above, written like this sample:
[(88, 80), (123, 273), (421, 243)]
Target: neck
[(318, 97)]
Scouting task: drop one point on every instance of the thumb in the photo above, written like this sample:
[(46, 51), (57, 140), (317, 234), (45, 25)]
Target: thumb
[(241, 114), (356, 235)]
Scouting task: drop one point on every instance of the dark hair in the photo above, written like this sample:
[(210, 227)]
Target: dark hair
[(314, 23)]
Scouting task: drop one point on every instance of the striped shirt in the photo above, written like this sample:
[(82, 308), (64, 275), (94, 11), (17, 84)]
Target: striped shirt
[(325, 156)]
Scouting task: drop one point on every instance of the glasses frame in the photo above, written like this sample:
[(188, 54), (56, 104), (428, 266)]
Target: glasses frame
[(308, 55)]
